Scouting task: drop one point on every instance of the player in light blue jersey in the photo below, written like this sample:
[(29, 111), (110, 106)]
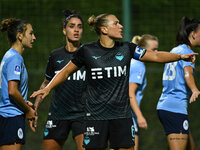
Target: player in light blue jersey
[(138, 82), (179, 88), (14, 107)]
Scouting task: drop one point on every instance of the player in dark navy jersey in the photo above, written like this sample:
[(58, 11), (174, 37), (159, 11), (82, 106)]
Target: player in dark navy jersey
[(14, 107), (66, 110), (107, 63)]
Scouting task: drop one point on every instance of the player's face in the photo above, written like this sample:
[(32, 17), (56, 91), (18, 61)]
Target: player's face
[(73, 30), (114, 28), (28, 37), (152, 45)]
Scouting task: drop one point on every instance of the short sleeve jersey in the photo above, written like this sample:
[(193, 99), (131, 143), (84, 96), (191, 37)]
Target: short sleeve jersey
[(107, 70), (175, 93), (12, 68), (138, 76), (67, 102)]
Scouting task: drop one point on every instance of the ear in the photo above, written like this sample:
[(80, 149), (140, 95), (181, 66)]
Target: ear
[(193, 34), (19, 36), (64, 31), (104, 30)]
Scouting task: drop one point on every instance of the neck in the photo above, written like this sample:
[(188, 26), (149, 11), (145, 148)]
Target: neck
[(18, 47), (72, 46), (107, 42)]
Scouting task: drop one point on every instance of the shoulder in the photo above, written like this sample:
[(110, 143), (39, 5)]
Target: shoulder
[(137, 64), (58, 51), (181, 49)]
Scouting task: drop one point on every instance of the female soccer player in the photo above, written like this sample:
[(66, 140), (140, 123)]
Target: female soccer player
[(138, 81), (66, 110), (178, 86), (107, 63), (14, 107)]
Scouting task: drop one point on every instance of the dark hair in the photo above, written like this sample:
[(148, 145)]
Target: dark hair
[(97, 22), (13, 26), (185, 28), (70, 14)]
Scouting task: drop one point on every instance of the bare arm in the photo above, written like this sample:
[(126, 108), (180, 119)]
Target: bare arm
[(39, 99), (18, 100), (188, 74), (163, 57), (134, 105), (58, 79)]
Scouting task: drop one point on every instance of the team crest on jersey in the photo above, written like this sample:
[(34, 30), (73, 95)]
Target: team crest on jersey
[(20, 133), (17, 70), (119, 56)]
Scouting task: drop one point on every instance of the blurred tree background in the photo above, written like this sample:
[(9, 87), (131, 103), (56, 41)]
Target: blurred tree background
[(160, 18)]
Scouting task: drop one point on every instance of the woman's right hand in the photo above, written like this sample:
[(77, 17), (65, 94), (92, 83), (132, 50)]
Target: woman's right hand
[(43, 92)]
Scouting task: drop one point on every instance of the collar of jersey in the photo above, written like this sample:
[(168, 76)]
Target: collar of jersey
[(104, 48)]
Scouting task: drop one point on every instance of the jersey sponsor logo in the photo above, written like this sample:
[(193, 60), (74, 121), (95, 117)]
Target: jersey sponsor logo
[(119, 56), (76, 76), (185, 125), (17, 70), (59, 61), (117, 71), (96, 57), (20, 133)]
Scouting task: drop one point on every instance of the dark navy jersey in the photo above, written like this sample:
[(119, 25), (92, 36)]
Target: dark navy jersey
[(66, 101), (107, 94)]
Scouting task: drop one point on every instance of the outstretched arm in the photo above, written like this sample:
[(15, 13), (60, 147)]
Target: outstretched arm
[(163, 57), (188, 74), (134, 105), (58, 79)]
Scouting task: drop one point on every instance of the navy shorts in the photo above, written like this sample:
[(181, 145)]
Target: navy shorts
[(12, 130), (118, 132), (174, 122), (59, 129)]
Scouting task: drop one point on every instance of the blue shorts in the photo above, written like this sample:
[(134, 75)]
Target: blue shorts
[(174, 122), (12, 130), (118, 132)]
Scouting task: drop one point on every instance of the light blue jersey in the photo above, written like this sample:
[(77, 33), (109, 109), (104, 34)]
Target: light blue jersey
[(138, 75), (12, 68), (176, 93)]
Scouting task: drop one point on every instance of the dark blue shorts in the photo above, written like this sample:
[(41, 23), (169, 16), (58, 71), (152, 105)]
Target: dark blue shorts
[(135, 123), (119, 133), (12, 130), (59, 129), (174, 122)]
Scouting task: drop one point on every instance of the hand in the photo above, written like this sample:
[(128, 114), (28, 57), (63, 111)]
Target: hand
[(36, 105), (30, 115), (142, 122), (189, 57), (43, 92), (194, 96)]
